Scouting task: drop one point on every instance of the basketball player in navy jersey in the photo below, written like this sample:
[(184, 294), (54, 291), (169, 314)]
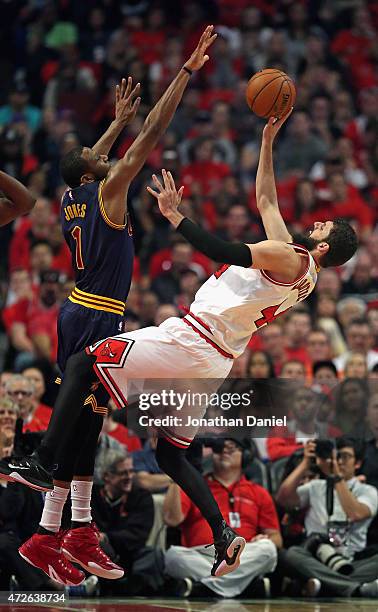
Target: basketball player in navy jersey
[(15, 199), (257, 284), (97, 230)]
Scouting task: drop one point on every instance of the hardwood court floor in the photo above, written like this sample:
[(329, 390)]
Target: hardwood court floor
[(174, 605)]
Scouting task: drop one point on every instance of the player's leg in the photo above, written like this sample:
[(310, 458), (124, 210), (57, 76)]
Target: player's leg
[(228, 545)]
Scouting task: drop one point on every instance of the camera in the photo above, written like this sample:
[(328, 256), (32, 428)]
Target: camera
[(321, 548), (324, 448)]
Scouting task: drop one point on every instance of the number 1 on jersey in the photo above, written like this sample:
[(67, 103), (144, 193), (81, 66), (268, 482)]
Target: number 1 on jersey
[(76, 234)]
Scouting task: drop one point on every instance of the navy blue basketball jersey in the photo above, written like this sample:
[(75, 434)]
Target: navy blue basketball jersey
[(102, 251)]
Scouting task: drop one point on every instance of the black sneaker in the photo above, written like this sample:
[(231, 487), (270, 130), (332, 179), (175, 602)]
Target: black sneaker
[(227, 552), (28, 471)]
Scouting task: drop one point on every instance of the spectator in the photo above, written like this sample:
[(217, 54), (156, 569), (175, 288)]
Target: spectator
[(359, 339), (105, 445), (369, 465), (351, 405), (356, 366), (260, 365), (148, 475), (42, 412), (361, 282), (325, 373), (8, 416), (273, 340), (304, 425), (163, 312), (119, 432), (21, 391), (355, 504), (18, 108), (350, 308), (294, 370), (122, 511), (32, 324), (318, 345), (191, 562), (297, 329), (32, 230), (299, 151)]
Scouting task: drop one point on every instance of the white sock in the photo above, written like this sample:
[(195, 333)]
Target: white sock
[(52, 510), (81, 491)]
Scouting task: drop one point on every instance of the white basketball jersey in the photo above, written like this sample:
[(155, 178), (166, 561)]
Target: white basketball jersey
[(235, 302)]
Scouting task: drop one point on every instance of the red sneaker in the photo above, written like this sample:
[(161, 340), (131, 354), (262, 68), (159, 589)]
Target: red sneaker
[(45, 552), (81, 545)]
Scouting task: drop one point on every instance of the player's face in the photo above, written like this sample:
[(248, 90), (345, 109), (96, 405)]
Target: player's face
[(321, 230), (98, 164)]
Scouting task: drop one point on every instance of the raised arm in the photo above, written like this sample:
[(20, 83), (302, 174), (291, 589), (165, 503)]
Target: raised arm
[(266, 194), (15, 199), (125, 110), (271, 255), (122, 173)]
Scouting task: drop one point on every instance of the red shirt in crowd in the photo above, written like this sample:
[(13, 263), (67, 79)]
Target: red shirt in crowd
[(40, 420), (207, 174), (252, 502), (131, 441), (36, 318)]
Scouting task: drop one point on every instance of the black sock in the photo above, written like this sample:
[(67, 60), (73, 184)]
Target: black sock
[(78, 524), (78, 377), (43, 531), (173, 461)]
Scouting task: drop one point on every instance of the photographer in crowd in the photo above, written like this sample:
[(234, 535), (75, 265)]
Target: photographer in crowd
[(250, 510), (340, 509)]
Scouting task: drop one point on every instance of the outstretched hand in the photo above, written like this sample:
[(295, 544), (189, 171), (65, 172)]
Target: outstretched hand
[(274, 125), (199, 56), (167, 196), (126, 104)]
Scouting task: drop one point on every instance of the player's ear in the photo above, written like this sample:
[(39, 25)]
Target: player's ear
[(322, 248), (87, 178)]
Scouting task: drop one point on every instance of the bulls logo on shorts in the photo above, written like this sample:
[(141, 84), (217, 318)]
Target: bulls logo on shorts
[(110, 355)]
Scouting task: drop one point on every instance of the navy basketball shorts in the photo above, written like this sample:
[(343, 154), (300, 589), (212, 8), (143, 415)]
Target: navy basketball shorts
[(78, 327)]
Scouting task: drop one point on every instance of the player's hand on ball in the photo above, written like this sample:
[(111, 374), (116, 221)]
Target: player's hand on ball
[(199, 56), (167, 196), (273, 126), (127, 101)]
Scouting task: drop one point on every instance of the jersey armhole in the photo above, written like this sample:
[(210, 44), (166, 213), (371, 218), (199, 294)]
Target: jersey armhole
[(103, 210), (298, 249)]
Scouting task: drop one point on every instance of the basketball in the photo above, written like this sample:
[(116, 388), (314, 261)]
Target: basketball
[(270, 93)]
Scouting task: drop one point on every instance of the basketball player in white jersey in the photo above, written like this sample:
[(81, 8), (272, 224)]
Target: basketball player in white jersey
[(257, 283)]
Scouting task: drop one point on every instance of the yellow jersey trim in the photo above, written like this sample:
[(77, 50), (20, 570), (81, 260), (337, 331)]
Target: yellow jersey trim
[(101, 298), (103, 211), (97, 302)]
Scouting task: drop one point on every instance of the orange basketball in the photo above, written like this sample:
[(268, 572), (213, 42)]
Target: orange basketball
[(270, 93)]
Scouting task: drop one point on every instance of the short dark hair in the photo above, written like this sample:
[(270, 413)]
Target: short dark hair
[(73, 166), (342, 242), (318, 365), (349, 442), (39, 242)]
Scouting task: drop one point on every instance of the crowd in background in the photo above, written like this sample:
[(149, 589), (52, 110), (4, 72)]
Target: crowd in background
[(60, 63)]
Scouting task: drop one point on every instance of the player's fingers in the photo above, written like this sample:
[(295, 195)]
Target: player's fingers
[(205, 58), (134, 92), (157, 183), (117, 93), (171, 181), (211, 40), (179, 194), (152, 192), (166, 180), (135, 106), (126, 89)]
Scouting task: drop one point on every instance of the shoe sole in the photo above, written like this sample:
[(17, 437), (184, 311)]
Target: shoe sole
[(233, 552), (97, 571), (60, 580), (16, 477)]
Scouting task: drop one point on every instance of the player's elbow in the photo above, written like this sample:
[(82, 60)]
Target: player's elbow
[(172, 519), (263, 202)]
